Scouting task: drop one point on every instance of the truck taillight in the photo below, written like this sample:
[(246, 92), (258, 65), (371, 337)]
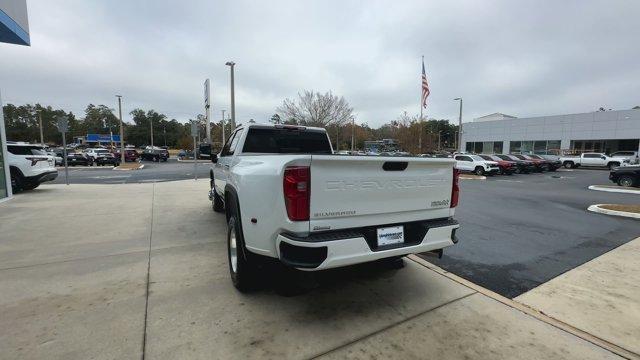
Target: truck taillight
[(455, 188), (297, 189)]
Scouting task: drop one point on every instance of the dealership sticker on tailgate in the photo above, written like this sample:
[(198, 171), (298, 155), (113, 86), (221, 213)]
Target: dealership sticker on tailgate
[(390, 235)]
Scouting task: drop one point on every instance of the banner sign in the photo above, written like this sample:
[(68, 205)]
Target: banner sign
[(102, 137)]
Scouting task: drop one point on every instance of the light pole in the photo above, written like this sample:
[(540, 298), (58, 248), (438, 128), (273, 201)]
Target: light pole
[(121, 129), (231, 64), (164, 132), (353, 131), (459, 126), (222, 126), (41, 132), (151, 124)]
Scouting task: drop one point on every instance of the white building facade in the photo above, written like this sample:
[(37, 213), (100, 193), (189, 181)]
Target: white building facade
[(602, 131)]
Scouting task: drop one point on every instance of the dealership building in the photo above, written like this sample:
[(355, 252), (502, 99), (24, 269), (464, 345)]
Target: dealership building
[(14, 29), (601, 131)]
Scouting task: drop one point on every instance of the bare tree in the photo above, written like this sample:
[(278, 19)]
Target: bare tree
[(316, 109)]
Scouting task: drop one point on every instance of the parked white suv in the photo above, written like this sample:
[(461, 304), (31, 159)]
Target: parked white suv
[(94, 153), (29, 166), (476, 164)]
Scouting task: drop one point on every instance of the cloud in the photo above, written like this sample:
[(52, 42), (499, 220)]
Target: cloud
[(525, 58)]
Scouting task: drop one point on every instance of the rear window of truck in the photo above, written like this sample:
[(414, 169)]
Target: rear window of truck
[(286, 141)]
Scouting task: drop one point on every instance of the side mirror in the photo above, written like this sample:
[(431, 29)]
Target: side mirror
[(603, 157), (214, 158)]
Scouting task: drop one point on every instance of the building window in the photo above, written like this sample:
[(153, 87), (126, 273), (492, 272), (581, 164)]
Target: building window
[(484, 147), (497, 147), (514, 147), (534, 147), (604, 146), (553, 146), (469, 147)]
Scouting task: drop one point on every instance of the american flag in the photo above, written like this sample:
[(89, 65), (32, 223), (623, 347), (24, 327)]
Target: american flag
[(425, 87)]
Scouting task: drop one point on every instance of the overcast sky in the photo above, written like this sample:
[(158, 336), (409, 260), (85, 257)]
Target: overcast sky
[(524, 58)]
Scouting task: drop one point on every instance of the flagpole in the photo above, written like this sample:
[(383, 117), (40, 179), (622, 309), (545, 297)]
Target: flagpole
[(420, 133)]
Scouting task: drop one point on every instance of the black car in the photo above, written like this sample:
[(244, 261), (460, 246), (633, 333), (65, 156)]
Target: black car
[(539, 165), (626, 176), (552, 165), (156, 155), (522, 166), (107, 159), (74, 159)]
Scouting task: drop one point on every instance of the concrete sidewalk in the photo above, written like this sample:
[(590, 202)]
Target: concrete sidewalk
[(601, 297), (140, 270)]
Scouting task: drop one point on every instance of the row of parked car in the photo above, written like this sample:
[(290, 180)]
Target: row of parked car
[(32, 164), (103, 156), (491, 164)]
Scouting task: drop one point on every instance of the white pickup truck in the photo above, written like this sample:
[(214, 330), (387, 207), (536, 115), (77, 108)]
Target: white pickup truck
[(287, 197), (592, 159)]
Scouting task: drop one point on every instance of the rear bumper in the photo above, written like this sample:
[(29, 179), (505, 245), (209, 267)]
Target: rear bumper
[(43, 177), (352, 246)]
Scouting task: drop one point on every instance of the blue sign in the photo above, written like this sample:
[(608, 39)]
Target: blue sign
[(102, 138)]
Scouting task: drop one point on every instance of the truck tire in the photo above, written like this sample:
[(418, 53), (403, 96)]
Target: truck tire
[(216, 202), (241, 269), (568, 164), (478, 171), (613, 164), (626, 181)]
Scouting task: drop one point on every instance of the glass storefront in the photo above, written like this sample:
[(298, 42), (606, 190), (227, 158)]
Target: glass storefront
[(534, 147), (3, 181), (604, 146), (484, 147)]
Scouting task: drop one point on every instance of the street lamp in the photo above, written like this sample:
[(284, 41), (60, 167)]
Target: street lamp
[(121, 129), (231, 64), (353, 131), (459, 125), (222, 123)]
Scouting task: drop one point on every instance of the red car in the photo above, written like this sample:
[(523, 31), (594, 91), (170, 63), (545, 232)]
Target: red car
[(541, 165), (129, 155), (506, 167)]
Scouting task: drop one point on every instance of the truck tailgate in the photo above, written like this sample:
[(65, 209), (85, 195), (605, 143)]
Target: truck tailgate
[(356, 191)]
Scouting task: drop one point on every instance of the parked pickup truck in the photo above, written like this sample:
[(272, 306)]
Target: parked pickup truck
[(286, 196), (592, 159)]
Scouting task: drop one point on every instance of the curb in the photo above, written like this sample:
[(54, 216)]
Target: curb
[(475, 177), (614, 190), (192, 161), (597, 209), (138, 168)]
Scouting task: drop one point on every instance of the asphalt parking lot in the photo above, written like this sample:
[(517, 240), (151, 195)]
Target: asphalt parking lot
[(520, 231), (171, 170)]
